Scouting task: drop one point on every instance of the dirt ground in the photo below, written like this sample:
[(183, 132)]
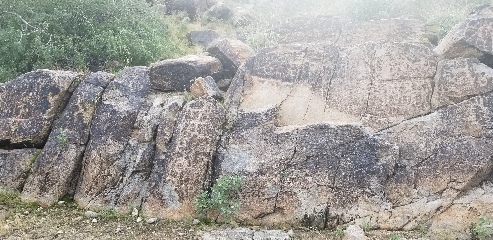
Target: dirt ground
[(20, 220)]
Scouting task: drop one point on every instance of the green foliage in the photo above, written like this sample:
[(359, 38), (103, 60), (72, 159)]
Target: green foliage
[(220, 200), (483, 229), (366, 226), (395, 236), (80, 35), (339, 232), (62, 138)]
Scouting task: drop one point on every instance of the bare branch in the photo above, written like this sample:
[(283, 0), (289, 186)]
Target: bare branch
[(26, 23)]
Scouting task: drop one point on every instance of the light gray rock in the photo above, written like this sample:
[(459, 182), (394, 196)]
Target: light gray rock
[(219, 11), (91, 214), (354, 232), (178, 74)]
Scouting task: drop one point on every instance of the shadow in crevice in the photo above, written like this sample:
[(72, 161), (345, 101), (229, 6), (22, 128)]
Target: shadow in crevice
[(487, 59)]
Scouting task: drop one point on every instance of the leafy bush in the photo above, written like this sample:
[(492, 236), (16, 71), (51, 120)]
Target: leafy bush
[(219, 201), (80, 35), (483, 229)]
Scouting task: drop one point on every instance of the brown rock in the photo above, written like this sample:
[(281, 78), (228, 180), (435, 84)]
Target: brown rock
[(29, 104), (188, 161), (55, 171), (231, 52), (15, 166)]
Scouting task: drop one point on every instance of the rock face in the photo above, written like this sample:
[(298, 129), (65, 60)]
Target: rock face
[(15, 166), (231, 52), (186, 168), (202, 37), (29, 103), (110, 155), (178, 74), (55, 171), (365, 126), (361, 123)]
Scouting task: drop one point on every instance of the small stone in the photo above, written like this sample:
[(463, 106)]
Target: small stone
[(61, 202), (354, 232), (26, 212), (91, 214), (139, 219), (195, 221), (117, 230), (94, 220), (135, 212), (151, 220), (59, 232), (77, 219), (291, 232)]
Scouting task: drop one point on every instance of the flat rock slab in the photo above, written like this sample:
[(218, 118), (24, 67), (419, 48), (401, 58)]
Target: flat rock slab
[(29, 104)]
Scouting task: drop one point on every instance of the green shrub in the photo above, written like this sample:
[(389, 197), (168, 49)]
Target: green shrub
[(483, 229), (80, 35), (220, 200)]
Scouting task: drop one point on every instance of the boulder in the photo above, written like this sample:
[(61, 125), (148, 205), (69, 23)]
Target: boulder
[(354, 232), (243, 17), (231, 52), (202, 37), (366, 128), (15, 166), (219, 11), (205, 87), (38, 96), (188, 6), (113, 153), (60, 160), (186, 169), (471, 38), (178, 74)]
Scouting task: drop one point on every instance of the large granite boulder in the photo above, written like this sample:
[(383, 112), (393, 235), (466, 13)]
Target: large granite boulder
[(366, 127), (178, 74), (30, 103), (55, 171), (15, 166), (186, 168)]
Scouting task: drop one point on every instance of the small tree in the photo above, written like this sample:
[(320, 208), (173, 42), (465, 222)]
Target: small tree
[(220, 200)]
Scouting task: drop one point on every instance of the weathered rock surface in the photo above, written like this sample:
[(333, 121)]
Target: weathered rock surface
[(219, 11), (205, 87), (55, 171), (330, 30), (471, 38), (111, 157), (231, 52), (29, 104), (186, 169), (354, 232), (361, 128), (178, 74), (202, 37), (15, 166)]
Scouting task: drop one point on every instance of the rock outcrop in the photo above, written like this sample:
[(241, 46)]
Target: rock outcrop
[(55, 173), (358, 123)]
